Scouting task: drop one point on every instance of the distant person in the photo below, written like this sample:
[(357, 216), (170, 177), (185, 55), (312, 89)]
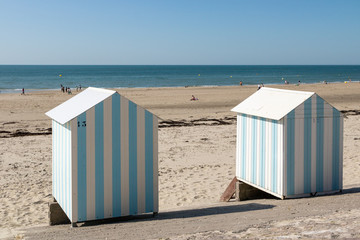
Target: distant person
[(259, 86), (240, 83), (262, 85), (193, 98), (23, 91), (80, 87), (69, 91)]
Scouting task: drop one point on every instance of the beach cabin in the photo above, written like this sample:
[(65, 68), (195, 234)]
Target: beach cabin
[(289, 143), (104, 156)]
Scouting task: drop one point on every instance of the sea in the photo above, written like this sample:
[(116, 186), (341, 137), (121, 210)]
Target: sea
[(50, 77)]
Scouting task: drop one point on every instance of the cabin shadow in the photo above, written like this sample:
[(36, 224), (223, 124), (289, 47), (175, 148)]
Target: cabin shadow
[(345, 191), (351, 190), (190, 213)]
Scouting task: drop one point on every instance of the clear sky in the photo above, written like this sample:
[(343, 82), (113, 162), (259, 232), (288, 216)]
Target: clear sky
[(250, 32)]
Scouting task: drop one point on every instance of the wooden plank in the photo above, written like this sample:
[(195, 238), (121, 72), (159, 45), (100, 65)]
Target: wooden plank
[(230, 191)]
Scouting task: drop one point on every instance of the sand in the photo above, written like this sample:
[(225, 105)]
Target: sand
[(196, 163)]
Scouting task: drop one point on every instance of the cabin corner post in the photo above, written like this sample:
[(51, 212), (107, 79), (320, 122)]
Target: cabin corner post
[(74, 171), (155, 164)]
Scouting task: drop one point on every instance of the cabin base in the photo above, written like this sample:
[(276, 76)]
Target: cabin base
[(245, 191), (314, 194), (249, 188), (242, 191), (57, 215), (113, 219)]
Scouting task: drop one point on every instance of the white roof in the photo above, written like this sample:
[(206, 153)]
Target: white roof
[(79, 104), (272, 103)]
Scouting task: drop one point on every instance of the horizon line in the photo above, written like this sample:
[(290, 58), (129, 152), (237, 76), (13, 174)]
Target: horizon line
[(179, 64)]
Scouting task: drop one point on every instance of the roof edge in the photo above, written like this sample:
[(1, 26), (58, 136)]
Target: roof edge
[(110, 92), (101, 90), (287, 90), (309, 95)]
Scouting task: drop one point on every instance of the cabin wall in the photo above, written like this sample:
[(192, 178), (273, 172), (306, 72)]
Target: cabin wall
[(61, 165), (259, 154), (115, 157), (313, 134)]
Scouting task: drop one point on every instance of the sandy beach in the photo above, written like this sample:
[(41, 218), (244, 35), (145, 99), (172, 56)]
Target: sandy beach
[(196, 163)]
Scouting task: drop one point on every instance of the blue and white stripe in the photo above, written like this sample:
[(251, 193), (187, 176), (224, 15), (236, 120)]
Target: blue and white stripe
[(299, 154), (111, 161), (259, 152), (314, 148), (61, 163)]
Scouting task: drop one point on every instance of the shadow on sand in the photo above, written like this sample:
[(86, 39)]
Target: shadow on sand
[(351, 189), (189, 213)]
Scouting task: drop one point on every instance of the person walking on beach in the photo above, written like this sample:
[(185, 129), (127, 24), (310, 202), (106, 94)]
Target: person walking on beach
[(23, 91)]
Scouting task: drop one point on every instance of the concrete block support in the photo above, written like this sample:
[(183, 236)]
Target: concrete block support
[(244, 191), (57, 215)]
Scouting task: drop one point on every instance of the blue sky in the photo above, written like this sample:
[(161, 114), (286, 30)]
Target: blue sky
[(185, 32)]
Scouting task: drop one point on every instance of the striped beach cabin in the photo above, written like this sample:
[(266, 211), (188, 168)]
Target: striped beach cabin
[(104, 156), (289, 143)]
